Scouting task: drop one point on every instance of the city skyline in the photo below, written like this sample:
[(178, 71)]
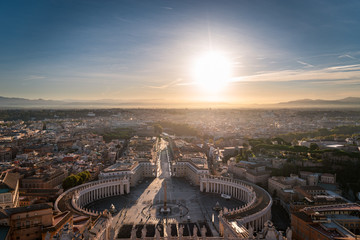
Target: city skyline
[(129, 50)]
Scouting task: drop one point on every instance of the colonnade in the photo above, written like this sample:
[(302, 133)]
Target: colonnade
[(257, 220), (101, 190), (249, 193), (237, 192), (221, 185), (92, 191)]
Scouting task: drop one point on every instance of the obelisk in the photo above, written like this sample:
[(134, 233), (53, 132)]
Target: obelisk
[(165, 198)]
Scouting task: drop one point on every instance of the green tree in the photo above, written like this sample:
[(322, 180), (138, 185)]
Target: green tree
[(158, 129), (70, 181), (83, 177), (314, 147), (75, 180)]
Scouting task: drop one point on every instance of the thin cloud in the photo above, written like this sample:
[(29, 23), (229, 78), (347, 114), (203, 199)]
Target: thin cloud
[(186, 83), (354, 67), (123, 19), (305, 64), (167, 85), (338, 74), (34, 77), (346, 56), (167, 8)]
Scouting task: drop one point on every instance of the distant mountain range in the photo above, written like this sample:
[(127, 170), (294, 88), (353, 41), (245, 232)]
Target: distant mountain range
[(17, 103), (11, 103), (349, 102), (5, 102)]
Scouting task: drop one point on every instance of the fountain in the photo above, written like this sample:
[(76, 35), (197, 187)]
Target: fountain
[(217, 207), (112, 208)]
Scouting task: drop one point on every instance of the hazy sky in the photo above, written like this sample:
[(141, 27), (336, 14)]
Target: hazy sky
[(279, 50)]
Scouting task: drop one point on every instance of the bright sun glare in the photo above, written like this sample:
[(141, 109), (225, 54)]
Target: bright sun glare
[(212, 71)]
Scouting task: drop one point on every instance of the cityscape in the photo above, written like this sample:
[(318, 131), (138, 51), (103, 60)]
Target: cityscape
[(179, 120), (157, 173)]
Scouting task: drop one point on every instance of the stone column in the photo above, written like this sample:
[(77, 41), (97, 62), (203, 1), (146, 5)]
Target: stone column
[(122, 189), (128, 188)]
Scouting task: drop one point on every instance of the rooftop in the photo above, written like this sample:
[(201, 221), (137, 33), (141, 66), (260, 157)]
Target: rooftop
[(328, 229), (312, 188), (35, 207), (4, 190), (9, 180), (4, 232), (335, 207), (121, 166)]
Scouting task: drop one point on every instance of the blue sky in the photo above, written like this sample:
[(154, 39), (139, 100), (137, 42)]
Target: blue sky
[(279, 50)]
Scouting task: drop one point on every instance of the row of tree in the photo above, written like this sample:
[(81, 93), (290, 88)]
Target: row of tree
[(75, 180), (180, 129), (339, 132), (40, 114), (118, 133)]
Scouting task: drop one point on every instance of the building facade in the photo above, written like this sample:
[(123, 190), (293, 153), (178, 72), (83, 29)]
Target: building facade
[(47, 180), (339, 221), (9, 190)]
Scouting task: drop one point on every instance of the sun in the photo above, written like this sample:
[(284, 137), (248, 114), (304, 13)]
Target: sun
[(212, 71)]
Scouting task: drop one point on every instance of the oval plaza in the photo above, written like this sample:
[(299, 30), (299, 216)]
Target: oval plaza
[(170, 195)]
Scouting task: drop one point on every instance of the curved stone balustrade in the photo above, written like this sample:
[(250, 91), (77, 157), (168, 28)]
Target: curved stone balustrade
[(255, 212), (86, 193)]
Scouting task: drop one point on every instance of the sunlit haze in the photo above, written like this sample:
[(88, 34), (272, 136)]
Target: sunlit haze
[(238, 52), (212, 72)]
